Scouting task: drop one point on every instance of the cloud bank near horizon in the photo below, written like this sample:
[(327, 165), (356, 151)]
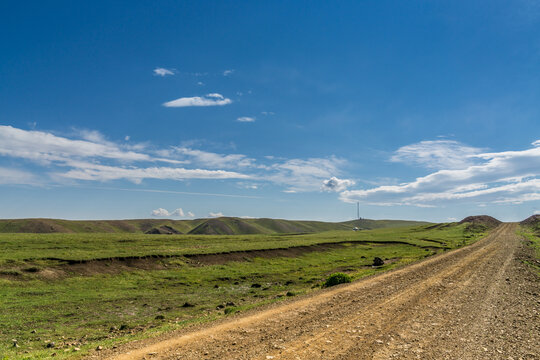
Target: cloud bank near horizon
[(510, 177), (455, 172)]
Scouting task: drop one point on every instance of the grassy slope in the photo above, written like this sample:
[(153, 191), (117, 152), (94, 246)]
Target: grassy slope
[(208, 226), (531, 231), (90, 310)]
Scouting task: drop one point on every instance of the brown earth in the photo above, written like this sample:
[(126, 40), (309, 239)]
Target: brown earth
[(532, 220), (484, 220), (478, 302)]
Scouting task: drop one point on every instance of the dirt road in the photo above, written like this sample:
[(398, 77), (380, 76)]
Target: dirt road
[(478, 302)]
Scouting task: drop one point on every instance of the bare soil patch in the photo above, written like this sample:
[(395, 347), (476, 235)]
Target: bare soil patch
[(483, 220)]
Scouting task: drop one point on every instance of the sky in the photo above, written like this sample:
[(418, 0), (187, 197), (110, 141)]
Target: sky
[(421, 110)]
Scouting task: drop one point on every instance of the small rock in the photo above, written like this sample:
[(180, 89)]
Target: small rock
[(220, 306), (377, 261), (33, 331), (186, 305), (76, 349), (99, 348), (50, 345)]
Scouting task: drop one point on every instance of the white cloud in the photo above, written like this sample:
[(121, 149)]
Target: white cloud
[(216, 214), (94, 172), (335, 184), (245, 119), (46, 147), (96, 159), (437, 154), (16, 177), (228, 72), (304, 175), (161, 212), (178, 212), (214, 160), (504, 177), (207, 100), (127, 138), (190, 214), (163, 72)]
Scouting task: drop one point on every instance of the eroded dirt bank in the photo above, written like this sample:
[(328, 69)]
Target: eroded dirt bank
[(478, 302)]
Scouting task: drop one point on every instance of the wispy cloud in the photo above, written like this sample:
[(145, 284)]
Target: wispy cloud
[(504, 177), (159, 71), (228, 72), (437, 154), (245, 119), (216, 214), (46, 147), (214, 160), (207, 100), (93, 158), (17, 177), (93, 172)]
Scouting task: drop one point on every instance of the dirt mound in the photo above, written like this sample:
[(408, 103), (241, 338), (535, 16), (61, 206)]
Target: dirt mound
[(533, 220), (165, 229), (482, 220)]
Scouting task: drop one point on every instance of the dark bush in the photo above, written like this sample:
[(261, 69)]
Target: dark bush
[(337, 278)]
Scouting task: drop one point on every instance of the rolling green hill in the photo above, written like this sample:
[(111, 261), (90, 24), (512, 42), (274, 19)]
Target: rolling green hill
[(215, 226)]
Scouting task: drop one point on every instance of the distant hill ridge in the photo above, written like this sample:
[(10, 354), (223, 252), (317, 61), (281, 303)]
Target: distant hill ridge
[(213, 226)]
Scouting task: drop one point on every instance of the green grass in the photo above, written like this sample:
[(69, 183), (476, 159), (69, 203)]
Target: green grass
[(87, 311), (234, 225), (533, 235)]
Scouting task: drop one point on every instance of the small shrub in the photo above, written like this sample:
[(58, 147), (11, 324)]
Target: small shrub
[(290, 293), (337, 278), (229, 310)]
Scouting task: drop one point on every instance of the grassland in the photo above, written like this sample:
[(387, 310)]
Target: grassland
[(79, 290)]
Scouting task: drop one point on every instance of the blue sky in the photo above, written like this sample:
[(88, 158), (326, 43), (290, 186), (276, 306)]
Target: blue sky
[(423, 110)]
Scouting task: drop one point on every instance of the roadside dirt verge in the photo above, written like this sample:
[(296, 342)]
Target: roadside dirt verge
[(478, 302)]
